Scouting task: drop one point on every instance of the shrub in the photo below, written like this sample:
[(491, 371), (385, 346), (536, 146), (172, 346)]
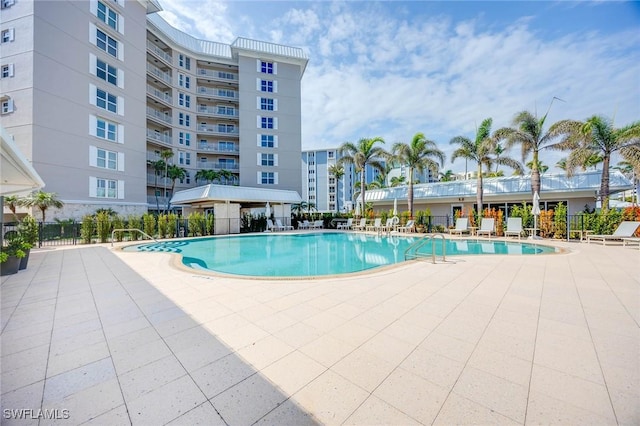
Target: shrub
[(149, 222), (134, 223), (28, 230), (163, 225), (172, 223), (197, 224), (87, 229), (118, 223), (209, 224), (103, 226), (560, 221)]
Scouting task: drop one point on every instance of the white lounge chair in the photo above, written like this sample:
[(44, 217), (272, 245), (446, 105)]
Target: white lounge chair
[(361, 226), (346, 225), (304, 224), (377, 224), (462, 226), (317, 224), (514, 227), (388, 226), (272, 227), (487, 226), (626, 229), (283, 227), (409, 227)]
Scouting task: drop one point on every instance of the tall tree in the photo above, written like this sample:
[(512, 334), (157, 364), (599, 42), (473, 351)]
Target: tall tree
[(363, 153), (528, 131), (542, 168), (337, 170), (166, 155), (12, 201), (43, 201), (598, 136), (481, 150), (206, 175), (158, 168), (173, 173), (418, 155), (398, 181), (447, 176)]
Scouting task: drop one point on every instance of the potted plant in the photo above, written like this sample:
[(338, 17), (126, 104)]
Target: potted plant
[(28, 232), (11, 254)]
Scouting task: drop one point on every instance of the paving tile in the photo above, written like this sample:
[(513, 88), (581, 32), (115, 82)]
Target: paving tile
[(448, 346), (265, 352), (625, 406), (133, 339), (573, 356), (22, 376), (353, 333), (244, 336), (27, 397), (434, 367), (458, 410), (502, 396), (332, 398), (363, 369), (501, 365), (142, 380), (118, 416), (327, 350), (543, 409), (127, 359), (222, 374), (388, 348), (88, 354), (413, 395), (293, 371), (203, 414), (73, 381), (298, 335), (289, 413), (374, 411)]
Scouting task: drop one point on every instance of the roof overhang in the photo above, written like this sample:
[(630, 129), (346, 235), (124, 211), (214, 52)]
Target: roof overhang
[(206, 194), (17, 175)]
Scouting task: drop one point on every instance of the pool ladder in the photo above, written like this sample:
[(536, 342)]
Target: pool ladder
[(423, 241)]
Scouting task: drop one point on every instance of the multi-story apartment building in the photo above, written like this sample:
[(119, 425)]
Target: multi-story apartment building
[(92, 102), (322, 189)]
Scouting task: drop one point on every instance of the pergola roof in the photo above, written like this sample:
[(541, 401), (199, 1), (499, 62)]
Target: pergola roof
[(235, 194), (16, 172)]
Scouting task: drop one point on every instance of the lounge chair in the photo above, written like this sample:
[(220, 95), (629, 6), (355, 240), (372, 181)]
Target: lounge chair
[(462, 226), (346, 225), (486, 227), (409, 227), (283, 227), (514, 227), (626, 229), (304, 224), (389, 225), (361, 226), (631, 241), (272, 227), (377, 225), (318, 224)]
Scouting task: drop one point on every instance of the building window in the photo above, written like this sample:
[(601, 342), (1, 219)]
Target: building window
[(184, 158), (266, 86), (7, 3), (266, 122), (226, 146), (107, 159), (330, 154), (267, 178), (184, 62), (6, 106), (226, 128), (267, 160), (266, 104), (225, 110), (107, 72), (6, 71), (7, 35), (106, 130), (186, 179), (108, 16), (106, 188), (266, 67), (106, 100), (267, 141), (187, 63), (184, 138), (184, 100), (106, 43), (184, 119)]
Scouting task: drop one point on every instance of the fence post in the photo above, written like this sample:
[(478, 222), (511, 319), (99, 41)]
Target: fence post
[(40, 233)]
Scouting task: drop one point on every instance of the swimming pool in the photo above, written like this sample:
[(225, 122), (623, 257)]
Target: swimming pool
[(316, 254)]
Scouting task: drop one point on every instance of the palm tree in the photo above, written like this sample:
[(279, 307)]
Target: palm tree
[(598, 136), (166, 155), (12, 201), (562, 164), (207, 175), (224, 174), (446, 176), (527, 131), (417, 155), (158, 167), (42, 200), (398, 181), (593, 161), (480, 150), (362, 154), (540, 166), (337, 170), (173, 173)]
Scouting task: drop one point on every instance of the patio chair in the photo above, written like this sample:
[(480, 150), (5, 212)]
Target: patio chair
[(304, 224), (388, 226), (514, 227), (318, 224), (272, 227), (462, 226), (346, 225), (626, 229), (361, 226), (408, 227), (283, 227), (487, 226), (377, 224)]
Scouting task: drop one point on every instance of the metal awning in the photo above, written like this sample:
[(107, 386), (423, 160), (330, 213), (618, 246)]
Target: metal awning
[(234, 194), (17, 175)]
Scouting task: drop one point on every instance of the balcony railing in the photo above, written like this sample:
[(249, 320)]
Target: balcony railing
[(159, 137), (162, 201), (159, 52), (218, 166), (217, 75), (162, 116), (151, 180), (218, 93), (159, 94), (216, 148), (216, 129), (165, 76), (216, 112)]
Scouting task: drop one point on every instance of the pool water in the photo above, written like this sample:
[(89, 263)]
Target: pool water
[(316, 254)]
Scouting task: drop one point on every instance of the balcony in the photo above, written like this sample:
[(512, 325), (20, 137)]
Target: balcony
[(158, 94), (228, 95), (164, 117), (162, 201), (159, 137), (218, 130), (161, 182), (216, 149), (215, 112), (157, 72), (235, 167), (217, 75), (159, 53)]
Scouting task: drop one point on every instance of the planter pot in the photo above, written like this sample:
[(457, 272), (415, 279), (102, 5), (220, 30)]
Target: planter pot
[(10, 267), (24, 261)]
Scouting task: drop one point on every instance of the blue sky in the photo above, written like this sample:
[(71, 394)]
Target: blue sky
[(396, 68)]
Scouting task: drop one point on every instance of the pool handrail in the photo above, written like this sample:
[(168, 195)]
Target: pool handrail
[(418, 244), (131, 229)]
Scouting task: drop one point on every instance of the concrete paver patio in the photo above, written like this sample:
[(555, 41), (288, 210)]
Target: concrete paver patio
[(99, 336)]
